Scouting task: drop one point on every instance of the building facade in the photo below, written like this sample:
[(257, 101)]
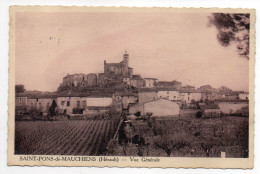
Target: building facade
[(120, 69), (150, 82), (145, 95), (170, 94)]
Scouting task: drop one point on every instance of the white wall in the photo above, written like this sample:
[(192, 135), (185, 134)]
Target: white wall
[(243, 96), (162, 107), (106, 101), (187, 97), (170, 95), (227, 107)]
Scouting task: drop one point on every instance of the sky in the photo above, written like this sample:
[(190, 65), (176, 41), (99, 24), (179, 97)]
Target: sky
[(165, 45)]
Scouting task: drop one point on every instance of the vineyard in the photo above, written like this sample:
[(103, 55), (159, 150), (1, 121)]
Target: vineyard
[(84, 137)]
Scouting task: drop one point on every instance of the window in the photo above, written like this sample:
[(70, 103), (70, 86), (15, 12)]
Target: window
[(167, 92), (20, 98), (68, 103), (62, 103), (37, 99), (78, 104), (84, 104)]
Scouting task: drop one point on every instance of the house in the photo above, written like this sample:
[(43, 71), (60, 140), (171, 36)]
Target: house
[(208, 93), (169, 84), (72, 103), (232, 95), (20, 103), (147, 94), (122, 100), (40, 102), (244, 96), (158, 107), (74, 80), (20, 100), (187, 88), (189, 94), (211, 96), (150, 82), (168, 93), (137, 81)]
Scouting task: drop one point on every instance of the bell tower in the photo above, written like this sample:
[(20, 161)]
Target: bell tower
[(126, 59)]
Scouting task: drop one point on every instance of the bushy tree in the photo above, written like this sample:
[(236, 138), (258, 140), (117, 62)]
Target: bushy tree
[(19, 88), (233, 28)]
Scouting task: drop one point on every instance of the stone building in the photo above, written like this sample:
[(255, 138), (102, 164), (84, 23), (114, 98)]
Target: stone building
[(189, 94), (74, 80), (150, 82), (120, 69), (91, 79), (168, 93), (137, 81), (147, 94), (122, 100), (67, 103)]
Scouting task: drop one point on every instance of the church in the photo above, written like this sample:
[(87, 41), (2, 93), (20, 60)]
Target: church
[(121, 69)]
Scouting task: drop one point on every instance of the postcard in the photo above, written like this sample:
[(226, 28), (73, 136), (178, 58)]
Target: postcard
[(131, 87)]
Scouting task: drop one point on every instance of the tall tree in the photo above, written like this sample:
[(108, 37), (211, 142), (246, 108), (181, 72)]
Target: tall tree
[(19, 88), (233, 28)]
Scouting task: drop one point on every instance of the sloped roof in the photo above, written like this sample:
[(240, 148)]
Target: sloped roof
[(148, 78), (156, 89), (37, 95), (123, 93), (189, 91), (90, 95)]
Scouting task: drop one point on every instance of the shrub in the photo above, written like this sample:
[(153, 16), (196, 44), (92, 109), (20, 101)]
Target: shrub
[(138, 114), (199, 114)]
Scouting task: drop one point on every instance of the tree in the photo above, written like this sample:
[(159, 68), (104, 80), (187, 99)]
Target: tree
[(232, 28), (168, 140), (52, 109), (19, 88)]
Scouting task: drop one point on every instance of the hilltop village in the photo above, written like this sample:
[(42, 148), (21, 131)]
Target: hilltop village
[(118, 89)]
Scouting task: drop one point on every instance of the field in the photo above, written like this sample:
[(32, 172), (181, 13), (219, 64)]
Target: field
[(84, 137), (189, 137), (181, 136)]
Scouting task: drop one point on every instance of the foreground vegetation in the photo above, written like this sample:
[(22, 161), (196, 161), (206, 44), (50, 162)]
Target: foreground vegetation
[(84, 137), (187, 137)]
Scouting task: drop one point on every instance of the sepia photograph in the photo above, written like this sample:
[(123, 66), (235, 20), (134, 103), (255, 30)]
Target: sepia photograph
[(114, 86)]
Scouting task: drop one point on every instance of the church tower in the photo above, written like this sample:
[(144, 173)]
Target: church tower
[(126, 59)]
